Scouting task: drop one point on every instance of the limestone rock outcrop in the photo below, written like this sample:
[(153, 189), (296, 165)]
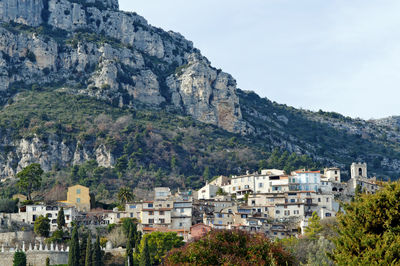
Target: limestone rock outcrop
[(112, 55)]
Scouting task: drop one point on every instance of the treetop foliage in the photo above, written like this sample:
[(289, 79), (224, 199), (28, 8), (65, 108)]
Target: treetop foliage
[(226, 247), (369, 229)]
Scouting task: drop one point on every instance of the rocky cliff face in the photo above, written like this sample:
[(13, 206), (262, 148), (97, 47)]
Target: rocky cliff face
[(102, 52), (90, 47), (50, 153)]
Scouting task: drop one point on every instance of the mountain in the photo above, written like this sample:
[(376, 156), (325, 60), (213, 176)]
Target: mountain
[(99, 96)]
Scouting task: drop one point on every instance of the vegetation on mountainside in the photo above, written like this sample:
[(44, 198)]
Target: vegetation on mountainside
[(152, 147), (285, 125)]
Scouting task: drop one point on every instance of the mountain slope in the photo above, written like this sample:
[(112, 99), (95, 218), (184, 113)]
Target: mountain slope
[(95, 94)]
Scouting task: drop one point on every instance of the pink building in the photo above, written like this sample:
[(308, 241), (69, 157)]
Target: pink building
[(199, 230)]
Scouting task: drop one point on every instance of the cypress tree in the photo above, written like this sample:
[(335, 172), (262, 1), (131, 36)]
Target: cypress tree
[(60, 219), (129, 247), (138, 238), (96, 258), (88, 257), (145, 255), (73, 257), (82, 248), (47, 261)]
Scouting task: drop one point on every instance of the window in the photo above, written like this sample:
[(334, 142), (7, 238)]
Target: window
[(219, 222), (67, 217), (132, 207), (260, 185), (49, 215), (277, 211), (151, 221), (182, 210), (243, 216), (150, 205), (162, 221), (327, 199), (168, 205), (253, 202), (319, 199), (78, 191), (34, 209), (78, 200), (161, 212), (118, 215), (180, 224), (131, 215), (151, 213), (220, 215), (328, 214), (292, 200)]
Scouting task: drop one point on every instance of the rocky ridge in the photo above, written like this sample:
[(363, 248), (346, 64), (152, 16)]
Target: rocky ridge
[(95, 49)]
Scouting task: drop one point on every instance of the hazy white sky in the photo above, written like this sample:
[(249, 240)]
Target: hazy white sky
[(341, 56)]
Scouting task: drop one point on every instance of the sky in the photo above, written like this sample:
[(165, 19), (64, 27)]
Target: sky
[(335, 55)]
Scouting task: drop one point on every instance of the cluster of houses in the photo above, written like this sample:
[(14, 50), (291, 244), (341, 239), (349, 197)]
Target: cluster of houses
[(271, 202)]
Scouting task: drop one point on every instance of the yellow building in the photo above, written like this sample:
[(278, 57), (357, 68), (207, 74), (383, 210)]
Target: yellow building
[(79, 197)]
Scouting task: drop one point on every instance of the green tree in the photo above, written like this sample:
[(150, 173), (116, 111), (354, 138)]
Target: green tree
[(246, 197), (314, 227), (130, 245), (60, 219), (158, 244), (88, 256), (42, 226), (206, 173), (56, 237), (97, 259), (127, 223), (19, 258), (82, 247), (125, 195), (30, 179), (74, 254), (221, 192), (8, 205), (358, 190), (47, 261), (369, 229), (145, 255)]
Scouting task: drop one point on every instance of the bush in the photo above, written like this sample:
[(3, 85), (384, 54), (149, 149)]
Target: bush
[(8, 205), (19, 258), (225, 247)]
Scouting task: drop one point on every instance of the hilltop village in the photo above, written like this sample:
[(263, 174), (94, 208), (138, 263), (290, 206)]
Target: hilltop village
[(271, 202)]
